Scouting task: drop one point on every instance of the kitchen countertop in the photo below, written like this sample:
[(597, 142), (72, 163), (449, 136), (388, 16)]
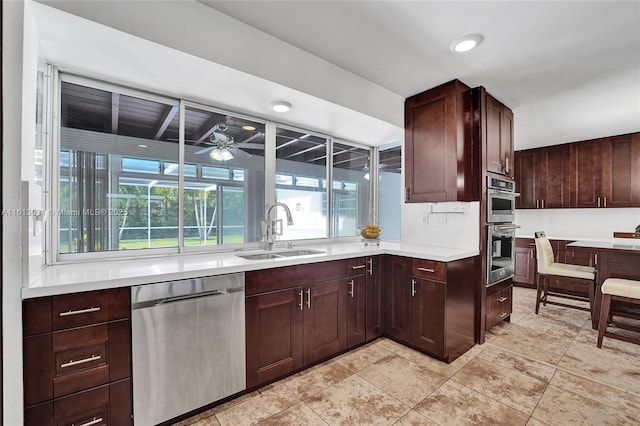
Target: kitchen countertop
[(77, 277), (609, 245)]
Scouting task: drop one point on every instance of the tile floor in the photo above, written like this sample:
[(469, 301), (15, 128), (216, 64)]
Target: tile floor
[(536, 370)]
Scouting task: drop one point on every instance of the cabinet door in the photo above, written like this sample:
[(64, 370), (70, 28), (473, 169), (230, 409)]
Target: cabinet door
[(356, 306), (427, 315), (374, 285), (398, 297), (506, 140), (621, 171), (524, 266), (554, 177), (324, 320), (527, 179), (431, 144), (274, 335), (587, 176), (492, 143)]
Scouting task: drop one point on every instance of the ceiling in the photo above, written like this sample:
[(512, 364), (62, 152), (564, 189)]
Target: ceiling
[(570, 70)]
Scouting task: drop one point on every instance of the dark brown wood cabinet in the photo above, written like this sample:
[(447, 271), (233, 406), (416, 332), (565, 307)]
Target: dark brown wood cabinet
[(374, 322), (77, 348), (590, 174), (357, 303), (498, 141), (440, 164), (525, 262), (398, 298), (294, 318), (431, 305), (499, 304), (542, 178)]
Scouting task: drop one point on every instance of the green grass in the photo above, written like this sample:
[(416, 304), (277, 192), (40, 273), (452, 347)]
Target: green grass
[(136, 244)]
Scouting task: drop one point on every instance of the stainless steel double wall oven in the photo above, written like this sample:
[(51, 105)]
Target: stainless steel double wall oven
[(501, 229)]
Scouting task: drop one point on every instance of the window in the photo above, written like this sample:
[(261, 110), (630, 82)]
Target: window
[(230, 150), (137, 171), (112, 193), (350, 189), (390, 190), (301, 166)]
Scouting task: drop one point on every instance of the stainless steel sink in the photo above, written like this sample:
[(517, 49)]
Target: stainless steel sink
[(291, 253), (259, 256), (280, 254)]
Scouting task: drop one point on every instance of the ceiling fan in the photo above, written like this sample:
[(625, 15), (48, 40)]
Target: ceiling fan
[(222, 147)]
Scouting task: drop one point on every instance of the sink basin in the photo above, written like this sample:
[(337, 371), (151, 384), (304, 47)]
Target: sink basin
[(259, 256), (280, 254), (291, 253)]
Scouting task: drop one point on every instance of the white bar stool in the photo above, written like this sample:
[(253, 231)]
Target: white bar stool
[(549, 268), (622, 290)]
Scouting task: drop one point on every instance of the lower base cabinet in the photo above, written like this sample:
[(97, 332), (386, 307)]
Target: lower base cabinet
[(499, 304), (431, 305)]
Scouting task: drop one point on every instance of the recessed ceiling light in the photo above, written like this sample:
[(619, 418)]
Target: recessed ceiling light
[(281, 106), (466, 43), (248, 128), (142, 146)]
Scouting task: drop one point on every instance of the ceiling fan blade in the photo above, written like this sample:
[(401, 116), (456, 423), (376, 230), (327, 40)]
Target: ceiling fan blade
[(238, 153), (203, 150), (250, 145)]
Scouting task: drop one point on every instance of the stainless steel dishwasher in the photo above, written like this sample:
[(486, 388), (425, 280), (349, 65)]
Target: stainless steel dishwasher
[(188, 342)]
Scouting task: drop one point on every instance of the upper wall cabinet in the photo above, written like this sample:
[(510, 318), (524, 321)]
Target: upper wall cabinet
[(497, 133), (439, 162), (591, 174)]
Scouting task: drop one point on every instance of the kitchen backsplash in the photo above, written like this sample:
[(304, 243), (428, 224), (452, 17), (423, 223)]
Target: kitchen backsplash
[(452, 224), (591, 224)]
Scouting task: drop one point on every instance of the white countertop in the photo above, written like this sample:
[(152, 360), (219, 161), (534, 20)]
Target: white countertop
[(633, 245), (77, 277)]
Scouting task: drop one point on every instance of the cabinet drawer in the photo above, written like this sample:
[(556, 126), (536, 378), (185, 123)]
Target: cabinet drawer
[(357, 266), (500, 300), (74, 310), (496, 316), (68, 361), (429, 269)]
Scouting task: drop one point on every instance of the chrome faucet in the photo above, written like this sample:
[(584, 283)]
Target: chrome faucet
[(267, 225)]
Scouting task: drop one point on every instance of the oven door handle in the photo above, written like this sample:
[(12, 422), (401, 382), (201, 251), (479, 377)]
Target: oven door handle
[(505, 227), (502, 191)]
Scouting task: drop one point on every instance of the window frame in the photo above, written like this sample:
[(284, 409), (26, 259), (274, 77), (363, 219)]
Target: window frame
[(51, 234)]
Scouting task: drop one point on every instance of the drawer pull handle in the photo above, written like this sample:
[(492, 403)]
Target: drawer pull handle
[(95, 421), (413, 287), (501, 299), (308, 291), (502, 315), (80, 311), (358, 267), (301, 299), (426, 270), (80, 361), (370, 262)]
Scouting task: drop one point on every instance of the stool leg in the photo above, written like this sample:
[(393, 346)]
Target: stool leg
[(538, 293), (545, 290), (604, 316), (590, 288)]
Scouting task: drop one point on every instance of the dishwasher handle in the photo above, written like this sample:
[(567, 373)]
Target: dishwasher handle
[(191, 296)]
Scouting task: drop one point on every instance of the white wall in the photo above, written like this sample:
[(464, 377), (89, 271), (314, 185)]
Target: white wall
[(574, 224), (426, 223), (19, 50)]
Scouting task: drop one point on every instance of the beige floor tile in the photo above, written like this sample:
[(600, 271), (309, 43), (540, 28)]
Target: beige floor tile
[(437, 366), (531, 343), (518, 363), (359, 358), (536, 422), (412, 418), (453, 404), (299, 414), (405, 381), (553, 325), (270, 400), (560, 407), (604, 394), (315, 379), (611, 366), (589, 336), (206, 421), (502, 384), (388, 345), (354, 401), (233, 402)]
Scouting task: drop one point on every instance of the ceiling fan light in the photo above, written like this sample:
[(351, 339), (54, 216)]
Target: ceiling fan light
[(226, 154), (216, 154), (281, 106)]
